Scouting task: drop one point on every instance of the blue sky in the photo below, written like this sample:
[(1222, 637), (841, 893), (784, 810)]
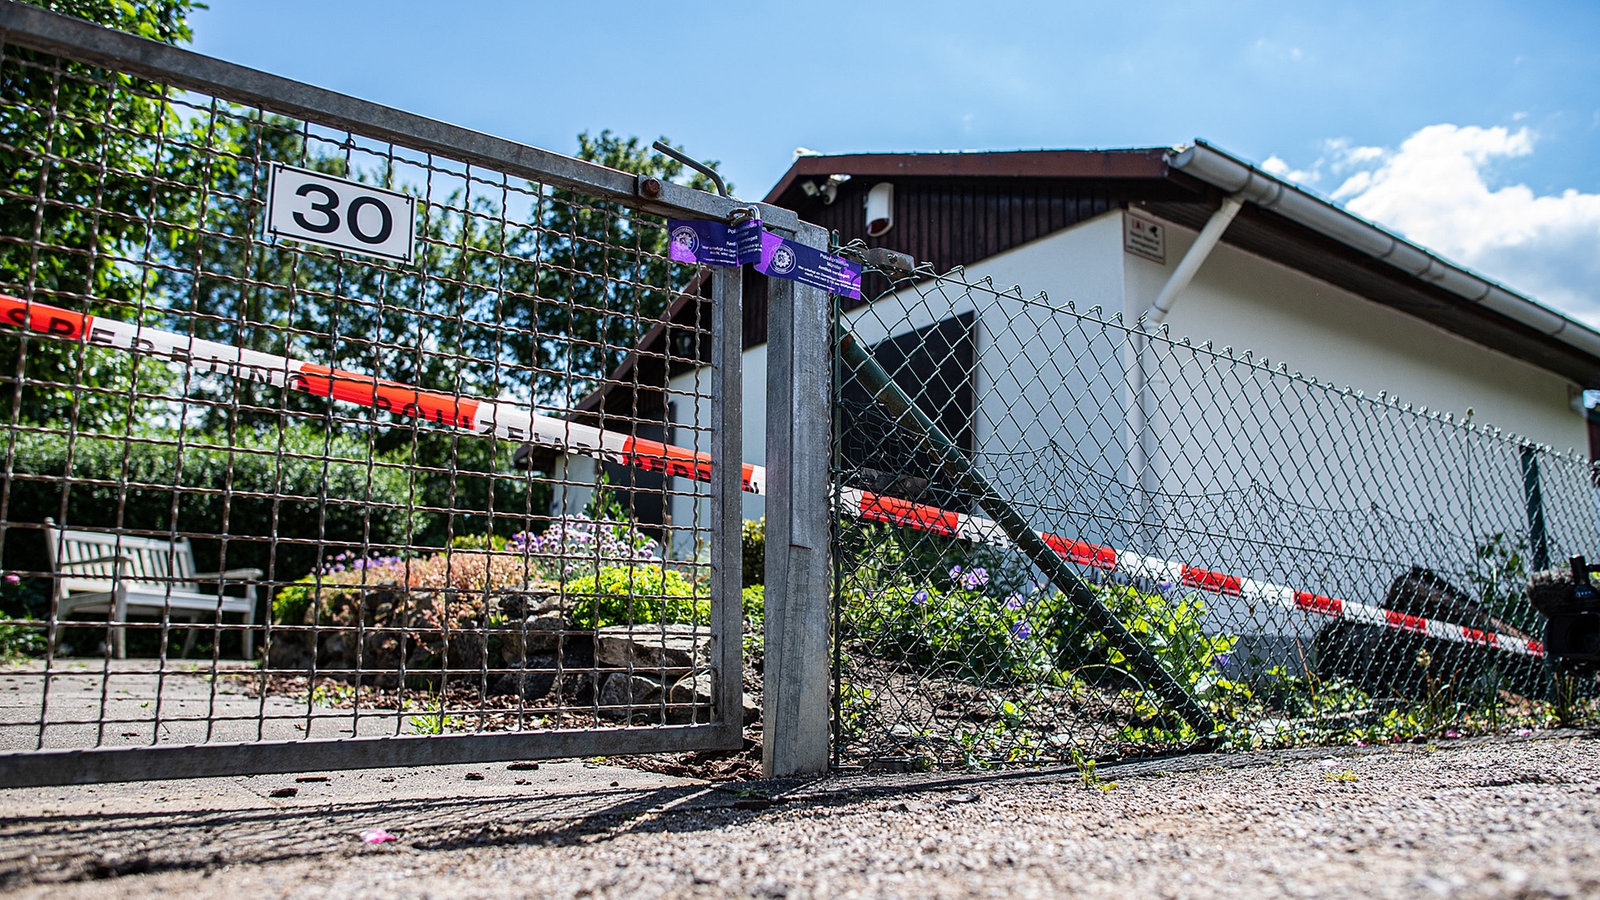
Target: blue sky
[(1470, 127)]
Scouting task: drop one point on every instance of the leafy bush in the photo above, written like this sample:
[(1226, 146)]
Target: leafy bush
[(461, 579), (640, 594), (753, 549), (327, 491), (1500, 576), (578, 546), (960, 627), (24, 602), (753, 600), (1170, 623), (21, 639)]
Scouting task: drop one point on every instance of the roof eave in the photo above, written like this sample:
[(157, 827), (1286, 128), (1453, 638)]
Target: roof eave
[(1232, 175), (1141, 162)]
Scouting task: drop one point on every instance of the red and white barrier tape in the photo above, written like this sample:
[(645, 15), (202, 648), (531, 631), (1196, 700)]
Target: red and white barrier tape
[(976, 529), (487, 417), (516, 424)]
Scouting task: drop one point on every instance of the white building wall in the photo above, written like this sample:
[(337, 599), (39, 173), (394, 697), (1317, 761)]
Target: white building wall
[(1252, 303), (1362, 488), (687, 512)]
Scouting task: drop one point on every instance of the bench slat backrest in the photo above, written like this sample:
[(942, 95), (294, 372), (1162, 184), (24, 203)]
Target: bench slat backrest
[(132, 558)]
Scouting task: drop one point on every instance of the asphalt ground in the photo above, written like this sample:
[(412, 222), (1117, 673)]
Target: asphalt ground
[(1491, 817)]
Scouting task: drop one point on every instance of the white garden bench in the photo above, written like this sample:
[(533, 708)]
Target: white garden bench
[(96, 572)]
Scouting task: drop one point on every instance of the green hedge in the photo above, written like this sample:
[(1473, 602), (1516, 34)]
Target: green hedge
[(322, 492), (635, 595)]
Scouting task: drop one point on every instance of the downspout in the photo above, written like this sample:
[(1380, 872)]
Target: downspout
[(1142, 438)]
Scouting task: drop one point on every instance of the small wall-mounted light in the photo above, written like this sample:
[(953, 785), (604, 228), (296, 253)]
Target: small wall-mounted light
[(880, 209)]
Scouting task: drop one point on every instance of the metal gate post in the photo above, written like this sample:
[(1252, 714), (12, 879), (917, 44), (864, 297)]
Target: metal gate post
[(727, 501), (1538, 539), (796, 678)]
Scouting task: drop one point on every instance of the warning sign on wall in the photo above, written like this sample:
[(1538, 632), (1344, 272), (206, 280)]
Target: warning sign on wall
[(1144, 237)]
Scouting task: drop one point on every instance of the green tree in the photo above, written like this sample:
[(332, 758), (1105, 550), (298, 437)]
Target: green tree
[(130, 205), (602, 281), (521, 305), (78, 145)]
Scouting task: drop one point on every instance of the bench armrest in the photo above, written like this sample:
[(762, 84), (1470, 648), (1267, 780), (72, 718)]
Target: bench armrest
[(94, 561), (229, 575)]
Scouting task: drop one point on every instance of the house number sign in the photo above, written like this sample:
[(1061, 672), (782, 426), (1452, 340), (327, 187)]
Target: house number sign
[(344, 215)]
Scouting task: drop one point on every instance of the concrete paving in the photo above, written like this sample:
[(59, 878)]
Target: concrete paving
[(51, 832), (76, 704)]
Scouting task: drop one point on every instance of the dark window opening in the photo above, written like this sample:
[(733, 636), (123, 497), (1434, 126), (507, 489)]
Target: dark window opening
[(935, 367)]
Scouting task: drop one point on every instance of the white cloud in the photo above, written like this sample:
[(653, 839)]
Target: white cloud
[(1438, 190), (1277, 167)]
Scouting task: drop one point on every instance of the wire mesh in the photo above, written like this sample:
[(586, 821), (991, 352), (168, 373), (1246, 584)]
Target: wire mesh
[(1305, 563), (260, 488)]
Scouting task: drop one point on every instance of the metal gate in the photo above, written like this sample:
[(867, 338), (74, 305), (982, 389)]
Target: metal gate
[(307, 459)]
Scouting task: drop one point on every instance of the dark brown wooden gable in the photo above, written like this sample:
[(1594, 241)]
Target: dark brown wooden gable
[(951, 223)]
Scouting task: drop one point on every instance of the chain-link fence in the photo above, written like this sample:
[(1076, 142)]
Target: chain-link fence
[(268, 354), (1060, 537)]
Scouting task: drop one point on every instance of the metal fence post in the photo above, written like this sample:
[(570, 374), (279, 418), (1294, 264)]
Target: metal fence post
[(1538, 539), (796, 680)]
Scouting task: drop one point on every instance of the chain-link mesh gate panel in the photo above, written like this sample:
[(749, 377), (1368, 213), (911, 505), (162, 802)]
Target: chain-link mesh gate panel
[(276, 472), (1306, 563)]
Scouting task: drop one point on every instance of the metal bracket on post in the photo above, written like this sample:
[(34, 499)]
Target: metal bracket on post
[(795, 715)]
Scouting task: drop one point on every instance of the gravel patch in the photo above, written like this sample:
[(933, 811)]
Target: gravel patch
[(1483, 818)]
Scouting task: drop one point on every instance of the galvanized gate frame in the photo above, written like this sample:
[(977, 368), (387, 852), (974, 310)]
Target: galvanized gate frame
[(46, 32)]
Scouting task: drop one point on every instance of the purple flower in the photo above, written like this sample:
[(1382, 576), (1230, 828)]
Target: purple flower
[(1021, 631), (920, 597), (955, 572), (975, 579), (1014, 601), (12, 578)]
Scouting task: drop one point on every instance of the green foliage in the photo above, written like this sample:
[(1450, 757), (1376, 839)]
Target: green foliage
[(754, 601), (753, 549), (638, 594), (90, 141), (479, 542), (432, 719), (156, 20), (1086, 772), (1005, 738), (855, 704), (606, 262), (24, 602), (21, 640), (958, 629), (1172, 627), (293, 485), (1500, 577)]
